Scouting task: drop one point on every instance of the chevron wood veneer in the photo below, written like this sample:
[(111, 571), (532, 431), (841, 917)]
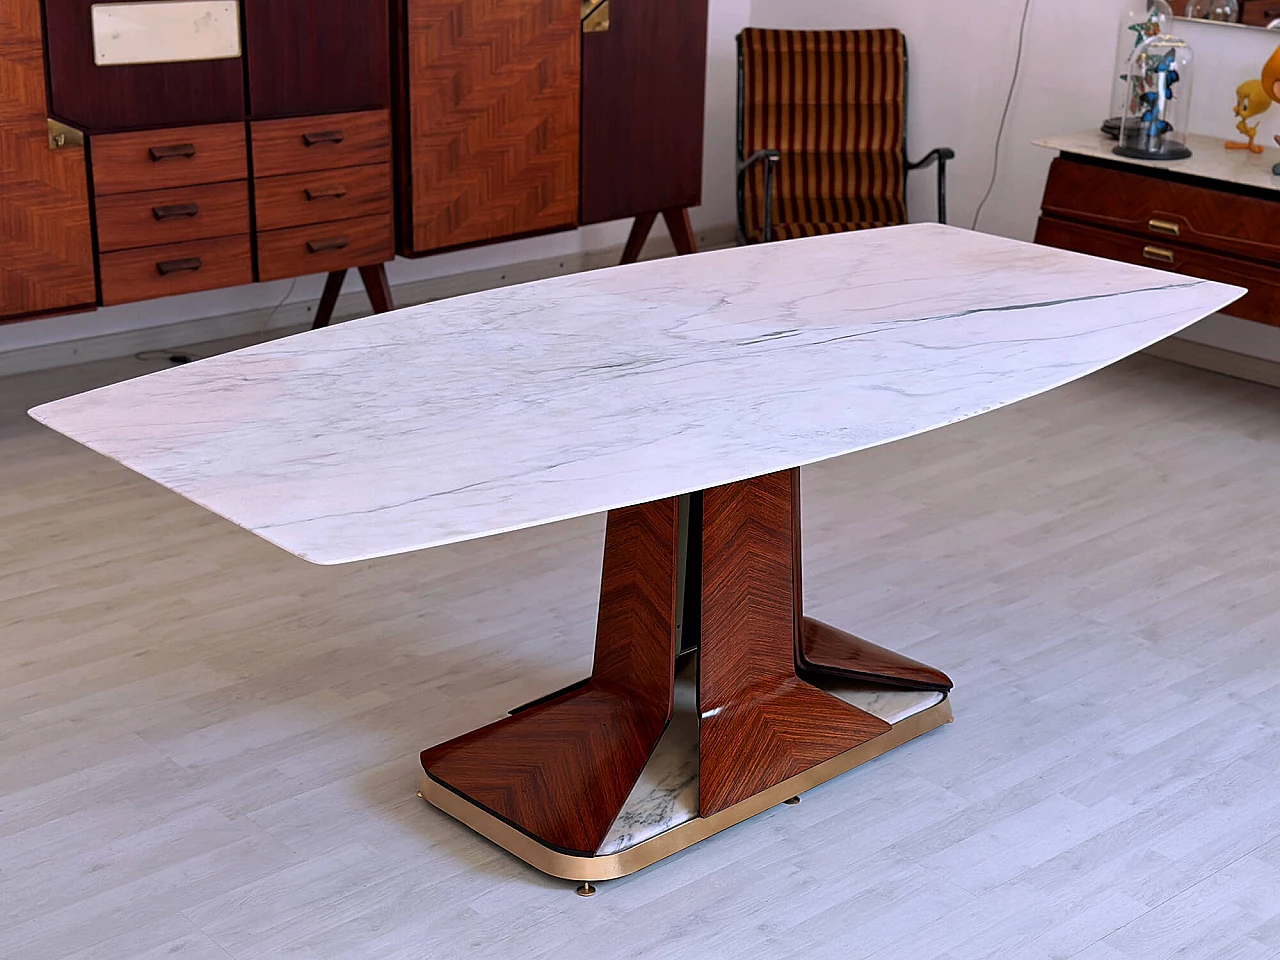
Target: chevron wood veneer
[(493, 128), (562, 770), (760, 723), (46, 250)]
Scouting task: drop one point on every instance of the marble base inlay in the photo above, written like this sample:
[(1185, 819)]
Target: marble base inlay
[(666, 794)]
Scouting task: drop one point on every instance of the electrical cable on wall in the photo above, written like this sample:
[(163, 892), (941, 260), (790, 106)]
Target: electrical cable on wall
[(1004, 116)]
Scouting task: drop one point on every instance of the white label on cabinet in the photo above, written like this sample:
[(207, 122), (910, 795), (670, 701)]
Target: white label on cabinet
[(165, 31)]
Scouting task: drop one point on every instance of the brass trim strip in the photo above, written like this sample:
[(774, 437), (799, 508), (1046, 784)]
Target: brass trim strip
[(61, 135), (1167, 227), (1158, 253), (568, 867), (595, 16)]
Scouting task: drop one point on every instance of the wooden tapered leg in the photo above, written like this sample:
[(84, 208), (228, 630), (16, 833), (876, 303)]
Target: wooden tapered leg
[(681, 230), (760, 723), (329, 299), (561, 771), (639, 234), (377, 287)]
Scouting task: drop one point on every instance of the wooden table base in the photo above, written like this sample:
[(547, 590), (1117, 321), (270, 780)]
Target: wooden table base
[(719, 573)]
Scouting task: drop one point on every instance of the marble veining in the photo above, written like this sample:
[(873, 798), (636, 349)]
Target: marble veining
[(666, 795), (1209, 159), (575, 395)]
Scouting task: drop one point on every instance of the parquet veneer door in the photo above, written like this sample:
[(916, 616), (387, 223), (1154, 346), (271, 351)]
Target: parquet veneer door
[(46, 248), (490, 89)]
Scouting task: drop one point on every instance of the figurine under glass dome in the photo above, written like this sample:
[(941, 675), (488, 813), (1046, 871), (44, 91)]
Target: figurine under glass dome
[(1140, 21), (1154, 123)]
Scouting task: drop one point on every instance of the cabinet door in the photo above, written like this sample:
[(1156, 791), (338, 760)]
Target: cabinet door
[(316, 56), (643, 93), (46, 251), (134, 96), (492, 126)]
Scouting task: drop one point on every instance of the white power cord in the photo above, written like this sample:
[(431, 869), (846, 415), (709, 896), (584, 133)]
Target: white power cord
[(1004, 116)]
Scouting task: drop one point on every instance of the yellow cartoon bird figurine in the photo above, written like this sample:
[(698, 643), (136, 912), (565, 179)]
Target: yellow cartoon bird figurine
[(1252, 100)]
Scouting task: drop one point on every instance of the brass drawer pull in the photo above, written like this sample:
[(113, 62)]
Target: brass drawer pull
[(176, 151), (1167, 227), (177, 211), (333, 193), (188, 265), (1158, 253), (333, 243), (324, 136)]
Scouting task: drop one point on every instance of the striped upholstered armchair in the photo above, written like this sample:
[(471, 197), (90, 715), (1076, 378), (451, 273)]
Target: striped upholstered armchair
[(822, 119)]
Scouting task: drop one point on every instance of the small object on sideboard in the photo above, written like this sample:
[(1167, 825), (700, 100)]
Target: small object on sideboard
[(1156, 114)]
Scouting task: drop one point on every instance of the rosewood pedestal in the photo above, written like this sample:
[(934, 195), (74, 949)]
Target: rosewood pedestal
[(715, 576)]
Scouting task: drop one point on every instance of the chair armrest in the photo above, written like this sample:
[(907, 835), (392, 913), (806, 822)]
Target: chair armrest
[(940, 156), (771, 159), (773, 156)]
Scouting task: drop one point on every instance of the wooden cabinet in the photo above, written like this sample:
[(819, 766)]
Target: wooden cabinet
[(320, 135), (1202, 228), (46, 242)]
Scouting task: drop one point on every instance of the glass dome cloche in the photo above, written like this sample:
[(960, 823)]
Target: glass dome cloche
[(1154, 123), (1139, 22)]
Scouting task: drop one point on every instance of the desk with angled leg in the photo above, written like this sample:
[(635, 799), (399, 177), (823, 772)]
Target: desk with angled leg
[(681, 397)]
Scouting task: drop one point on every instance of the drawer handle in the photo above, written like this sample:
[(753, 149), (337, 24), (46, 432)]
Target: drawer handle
[(1158, 253), (177, 211), (188, 265), (333, 243), (1167, 227), (175, 151), (324, 136), (333, 193)]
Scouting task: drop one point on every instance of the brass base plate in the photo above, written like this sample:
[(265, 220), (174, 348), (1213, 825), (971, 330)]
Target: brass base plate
[(569, 867)]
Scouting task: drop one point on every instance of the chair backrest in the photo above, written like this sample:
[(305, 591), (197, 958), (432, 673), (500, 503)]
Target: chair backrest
[(833, 103)]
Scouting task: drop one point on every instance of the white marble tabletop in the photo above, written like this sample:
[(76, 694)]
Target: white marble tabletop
[(1209, 158), (575, 395)]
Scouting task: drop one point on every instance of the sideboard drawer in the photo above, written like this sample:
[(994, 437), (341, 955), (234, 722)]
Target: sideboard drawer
[(148, 219), (1259, 13), (321, 143), (1261, 303), (177, 157), (324, 247), (1164, 210), (323, 195), (147, 272)]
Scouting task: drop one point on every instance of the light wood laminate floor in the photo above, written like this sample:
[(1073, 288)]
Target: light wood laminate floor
[(208, 749)]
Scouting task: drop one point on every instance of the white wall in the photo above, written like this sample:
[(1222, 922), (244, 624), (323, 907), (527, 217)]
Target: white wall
[(727, 17)]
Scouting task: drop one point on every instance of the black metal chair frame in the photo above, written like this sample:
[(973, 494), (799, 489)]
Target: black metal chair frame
[(771, 158)]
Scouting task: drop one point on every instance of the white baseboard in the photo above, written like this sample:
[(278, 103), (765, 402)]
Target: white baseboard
[(1227, 362), (350, 305)]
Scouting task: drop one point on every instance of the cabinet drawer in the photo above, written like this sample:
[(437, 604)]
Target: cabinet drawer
[(177, 157), (323, 195), (321, 143), (148, 272), (325, 246), (1164, 210), (1261, 303), (1259, 13), (172, 216)]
